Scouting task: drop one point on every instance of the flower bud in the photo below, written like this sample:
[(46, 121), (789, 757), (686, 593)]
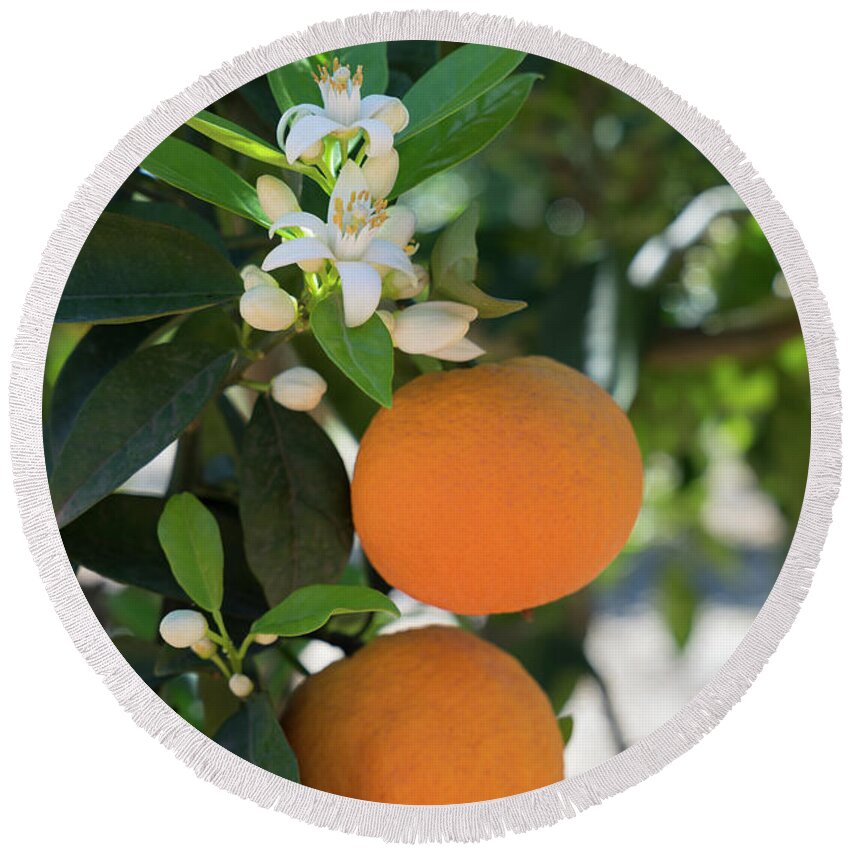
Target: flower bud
[(381, 172), (254, 276), (204, 648), (310, 266), (240, 685), (387, 318), (459, 352), (394, 115), (268, 308), (431, 326), (182, 628), (265, 640), (276, 198), (314, 152), (399, 226), (397, 284), (298, 388)]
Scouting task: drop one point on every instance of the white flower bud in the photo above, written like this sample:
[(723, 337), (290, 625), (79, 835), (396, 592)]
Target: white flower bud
[(310, 266), (268, 308), (381, 172), (431, 326), (298, 388), (204, 648), (240, 685), (254, 276), (182, 628), (394, 115), (459, 352), (276, 198), (314, 152), (265, 640), (397, 284)]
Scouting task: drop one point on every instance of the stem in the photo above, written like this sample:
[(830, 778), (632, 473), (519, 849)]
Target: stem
[(293, 659), (244, 360), (221, 665), (257, 386), (227, 644), (249, 639), (216, 639)]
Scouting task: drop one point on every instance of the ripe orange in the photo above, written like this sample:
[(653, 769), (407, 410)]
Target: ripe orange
[(496, 488), (424, 717)]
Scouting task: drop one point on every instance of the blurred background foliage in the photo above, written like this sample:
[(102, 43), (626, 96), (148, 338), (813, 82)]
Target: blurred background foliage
[(643, 269)]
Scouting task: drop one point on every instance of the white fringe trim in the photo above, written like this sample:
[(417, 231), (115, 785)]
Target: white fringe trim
[(468, 822)]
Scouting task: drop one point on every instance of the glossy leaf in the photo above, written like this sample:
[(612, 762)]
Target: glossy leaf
[(464, 75), (364, 353), (309, 608), (193, 170), (135, 412), (454, 268), (191, 540), (129, 269), (461, 134), (293, 84), (255, 734), (102, 348), (294, 501), (237, 138), (566, 725), (117, 539)]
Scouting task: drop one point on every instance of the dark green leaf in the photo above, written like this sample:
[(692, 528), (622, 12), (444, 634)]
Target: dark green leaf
[(566, 724), (135, 412), (237, 138), (117, 539), (461, 134), (255, 734), (211, 327), (294, 501), (454, 268), (364, 353), (191, 540), (464, 75), (136, 610), (679, 602), (192, 170), (129, 269), (175, 662), (309, 608), (103, 347), (166, 213), (293, 84)]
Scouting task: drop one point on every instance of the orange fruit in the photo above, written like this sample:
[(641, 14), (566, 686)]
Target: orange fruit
[(427, 716), (497, 488)]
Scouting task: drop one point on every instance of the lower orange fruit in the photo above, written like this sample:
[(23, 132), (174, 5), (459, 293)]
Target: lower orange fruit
[(427, 716)]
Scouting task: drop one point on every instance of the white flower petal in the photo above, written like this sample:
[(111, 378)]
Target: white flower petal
[(308, 131), (423, 331), (379, 137), (254, 276), (296, 250), (361, 292), (381, 173), (350, 180), (399, 226), (373, 103), (294, 111), (307, 221), (379, 252), (459, 352), (268, 308), (298, 388), (276, 198)]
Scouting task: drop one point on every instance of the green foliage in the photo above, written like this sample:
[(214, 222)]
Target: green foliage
[(189, 536), (236, 138), (309, 608), (566, 725), (364, 353), (454, 268), (129, 270), (255, 734), (293, 501), (129, 418)]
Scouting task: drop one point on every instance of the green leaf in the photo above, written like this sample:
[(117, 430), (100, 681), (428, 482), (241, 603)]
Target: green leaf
[(237, 138), (294, 501), (117, 539), (309, 608), (461, 134), (211, 327), (137, 410), (293, 84), (255, 734), (679, 603), (191, 540), (566, 725), (102, 348), (192, 170), (452, 83), (129, 269), (364, 353), (454, 267)]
